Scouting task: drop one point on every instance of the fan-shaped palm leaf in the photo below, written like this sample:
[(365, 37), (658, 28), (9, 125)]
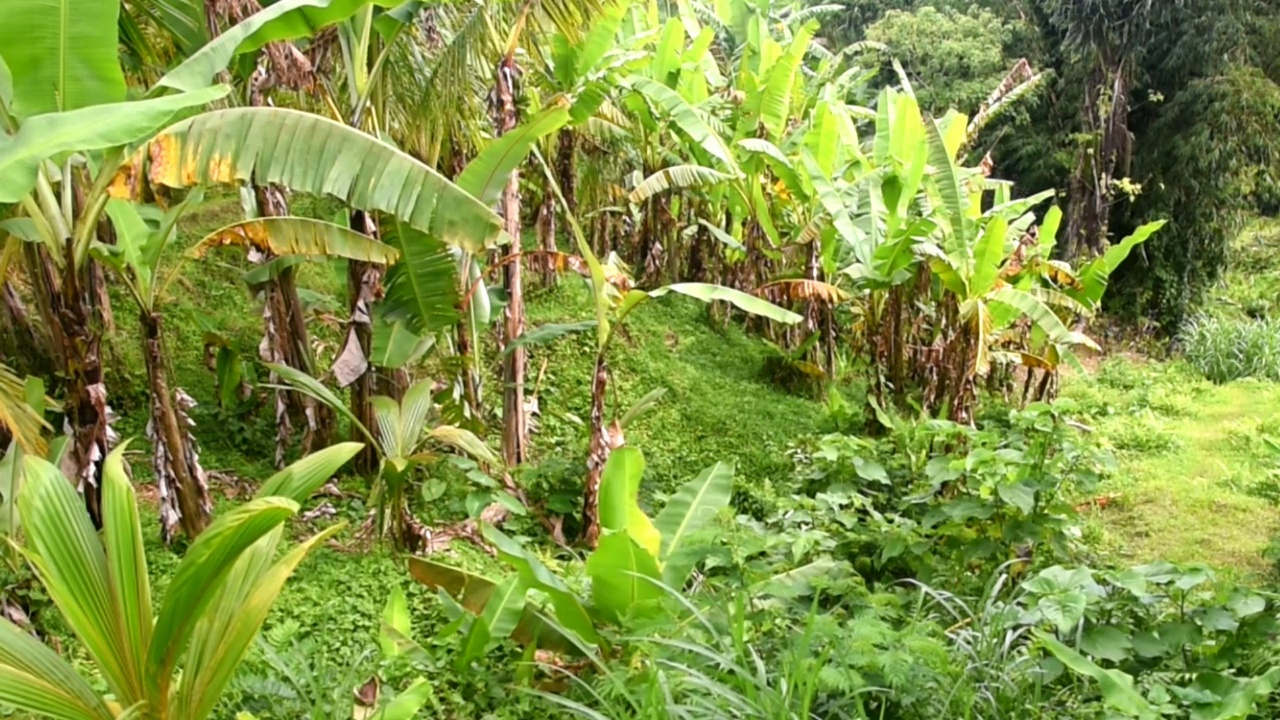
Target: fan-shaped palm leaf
[(22, 421)]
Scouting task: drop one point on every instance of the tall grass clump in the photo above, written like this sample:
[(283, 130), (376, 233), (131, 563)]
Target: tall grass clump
[(1224, 350)]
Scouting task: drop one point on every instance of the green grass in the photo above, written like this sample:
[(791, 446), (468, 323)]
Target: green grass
[(1188, 456), (717, 406)]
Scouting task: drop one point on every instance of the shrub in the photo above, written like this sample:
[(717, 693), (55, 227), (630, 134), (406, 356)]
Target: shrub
[(178, 654), (936, 500), (1225, 350)]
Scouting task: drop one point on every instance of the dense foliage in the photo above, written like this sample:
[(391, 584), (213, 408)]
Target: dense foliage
[(1146, 110), (697, 359)]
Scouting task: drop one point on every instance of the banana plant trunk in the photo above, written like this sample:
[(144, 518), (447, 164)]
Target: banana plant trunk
[(181, 482), (547, 236), (566, 146), (514, 430), (601, 444), (285, 338), (352, 368), (66, 304), (286, 341)]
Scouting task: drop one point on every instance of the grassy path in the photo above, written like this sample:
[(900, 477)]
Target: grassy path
[(1192, 483)]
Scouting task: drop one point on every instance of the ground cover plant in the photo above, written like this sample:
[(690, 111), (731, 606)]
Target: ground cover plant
[(654, 360)]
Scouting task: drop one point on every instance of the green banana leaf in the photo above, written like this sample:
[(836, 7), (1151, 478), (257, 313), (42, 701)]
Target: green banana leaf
[(311, 154)]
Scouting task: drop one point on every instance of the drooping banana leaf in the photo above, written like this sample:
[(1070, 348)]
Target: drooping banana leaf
[(97, 128), (299, 236), (707, 292), (311, 154), (1095, 275), (1041, 316), (676, 176), (687, 119)]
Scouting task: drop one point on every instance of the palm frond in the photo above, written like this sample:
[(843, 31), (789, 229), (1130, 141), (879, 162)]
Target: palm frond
[(23, 422)]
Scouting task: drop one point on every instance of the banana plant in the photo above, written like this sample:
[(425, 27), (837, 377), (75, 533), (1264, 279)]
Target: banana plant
[(66, 132), (980, 260), (170, 663), (402, 439), (60, 229), (612, 308), (638, 562), (139, 258)]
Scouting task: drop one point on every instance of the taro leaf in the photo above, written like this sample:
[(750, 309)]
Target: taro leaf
[(1246, 604), (1192, 577), (1159, 572), (871, 471), (1237, 698), (1147, 645), (1216, 619), (1175, 635), (1064, 609), (433, 489), (1106, 643), (1131, 580)]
